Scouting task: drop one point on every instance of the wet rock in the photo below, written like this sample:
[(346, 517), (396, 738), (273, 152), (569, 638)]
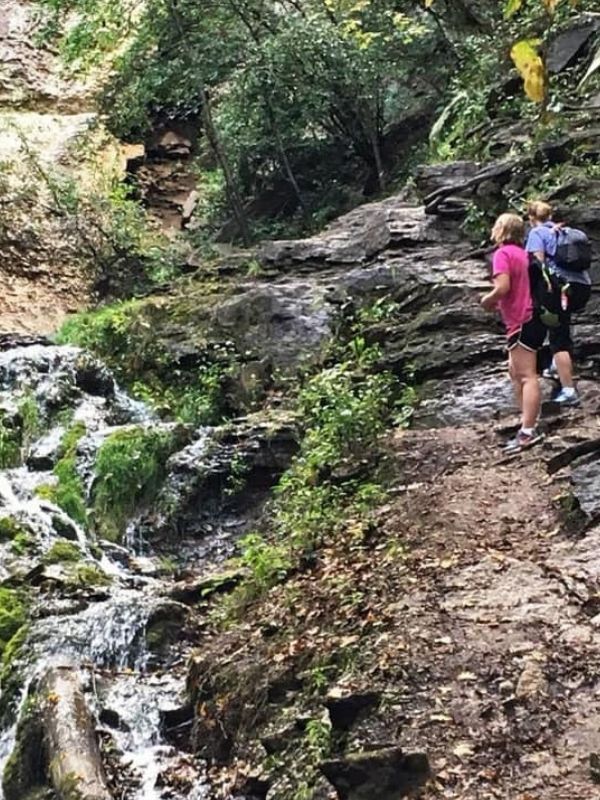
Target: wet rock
[(197, 589), (111, 719), (345, 710), (176, 725), (74, 760), (585, 477), (92, 377), (387, 774), (163, 628), (250, 787), (25, 769), (46, 451), (353, 239), (431, 177), (224, 466), (569, 43), (276, 741)]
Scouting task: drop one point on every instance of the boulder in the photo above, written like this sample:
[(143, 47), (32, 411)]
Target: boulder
[(344, 710), (569, 43), (386, 774)]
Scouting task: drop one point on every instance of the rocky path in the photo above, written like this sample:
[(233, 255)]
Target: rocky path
[(501, 634)]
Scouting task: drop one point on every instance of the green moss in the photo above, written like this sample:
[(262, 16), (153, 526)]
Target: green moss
[(89, 575), (13, 614), (130, 468), (61, 552), (9, 528), (31, 425), (22, 543), (10, 442), (24, 774), (68, 493), (69, 788), (11, 672), (125, 336)]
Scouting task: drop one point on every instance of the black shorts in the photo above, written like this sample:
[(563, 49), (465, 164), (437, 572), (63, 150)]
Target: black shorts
[(560, 338), (531, 335)]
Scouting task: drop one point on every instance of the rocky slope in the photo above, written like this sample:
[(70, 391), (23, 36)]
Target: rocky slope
[(47, 122)]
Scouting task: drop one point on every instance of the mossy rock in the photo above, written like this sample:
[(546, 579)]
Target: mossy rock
[(62, 552), (24, 773), (13, 614), (10, 528)]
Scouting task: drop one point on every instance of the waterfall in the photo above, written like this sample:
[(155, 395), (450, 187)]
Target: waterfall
[(103, 630)]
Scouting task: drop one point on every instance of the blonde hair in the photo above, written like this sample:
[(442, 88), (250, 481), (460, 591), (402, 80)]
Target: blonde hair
[(539, 210), (508, 229)]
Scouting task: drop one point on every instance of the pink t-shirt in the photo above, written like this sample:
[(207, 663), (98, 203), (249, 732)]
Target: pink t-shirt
[(516, 307)]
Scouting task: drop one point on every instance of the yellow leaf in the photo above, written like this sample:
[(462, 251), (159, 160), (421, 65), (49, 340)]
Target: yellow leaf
[(511, 8), (531, 69), (550, 5), (428, 3)]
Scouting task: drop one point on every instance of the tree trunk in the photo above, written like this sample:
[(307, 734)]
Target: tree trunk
[(74, 760), (232, 193)]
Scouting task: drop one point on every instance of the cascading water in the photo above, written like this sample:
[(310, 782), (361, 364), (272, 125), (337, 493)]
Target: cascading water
[(103, 630)]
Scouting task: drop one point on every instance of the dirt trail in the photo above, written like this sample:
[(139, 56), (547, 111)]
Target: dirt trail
[(501, 635)]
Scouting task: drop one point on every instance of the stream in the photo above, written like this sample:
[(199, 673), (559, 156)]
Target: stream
[(123, 635)]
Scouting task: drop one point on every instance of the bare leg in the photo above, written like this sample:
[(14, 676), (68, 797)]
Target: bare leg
[(564, 366), (517, 387), (527, 386)]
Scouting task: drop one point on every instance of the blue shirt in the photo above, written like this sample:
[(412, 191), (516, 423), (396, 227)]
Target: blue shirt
[(542, 239)]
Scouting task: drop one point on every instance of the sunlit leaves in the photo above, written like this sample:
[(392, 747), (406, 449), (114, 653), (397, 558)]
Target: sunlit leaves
[(511, 8), (531, 68)]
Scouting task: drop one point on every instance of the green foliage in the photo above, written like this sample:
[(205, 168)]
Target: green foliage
[(123, 335), (62, 552), (13, 615), (344, 416), (129, 470), (267, 562), (10, 443), (68, 493), (318, 739), (290, 83)]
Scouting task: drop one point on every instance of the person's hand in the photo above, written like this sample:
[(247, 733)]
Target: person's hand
[(489, 302)]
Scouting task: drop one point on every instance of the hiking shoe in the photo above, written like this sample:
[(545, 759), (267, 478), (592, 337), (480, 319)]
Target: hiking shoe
[(550, 372), (566, 398), (522, 441)]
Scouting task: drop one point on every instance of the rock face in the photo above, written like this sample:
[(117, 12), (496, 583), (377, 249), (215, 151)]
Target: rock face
[(386, 774), (44, 117), (29, 76)]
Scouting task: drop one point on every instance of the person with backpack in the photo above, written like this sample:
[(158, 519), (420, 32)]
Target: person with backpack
[(563, 257), (525, 332)]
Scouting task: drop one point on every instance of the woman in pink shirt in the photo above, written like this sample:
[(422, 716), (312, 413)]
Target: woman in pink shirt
[(511, 295)]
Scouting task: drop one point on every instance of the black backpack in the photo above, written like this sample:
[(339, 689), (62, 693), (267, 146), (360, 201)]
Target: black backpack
[(573, 250), (551, 294)]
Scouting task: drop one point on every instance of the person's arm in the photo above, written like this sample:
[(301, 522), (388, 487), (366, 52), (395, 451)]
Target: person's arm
[(501, 288)]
